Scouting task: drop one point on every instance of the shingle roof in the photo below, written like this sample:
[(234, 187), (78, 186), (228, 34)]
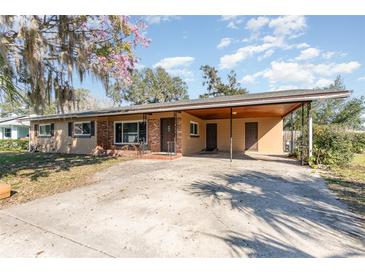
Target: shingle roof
[(298, 95)]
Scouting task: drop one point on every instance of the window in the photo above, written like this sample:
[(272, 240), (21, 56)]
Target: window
[(7, 132), (82, 129), (194, 129), (45, 130), (130, 132)]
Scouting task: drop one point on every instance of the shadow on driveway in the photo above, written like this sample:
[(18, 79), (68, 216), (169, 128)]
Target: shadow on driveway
[(286, 204)]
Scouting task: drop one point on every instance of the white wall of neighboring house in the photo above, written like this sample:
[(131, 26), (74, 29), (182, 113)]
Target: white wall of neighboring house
[(19, 129)]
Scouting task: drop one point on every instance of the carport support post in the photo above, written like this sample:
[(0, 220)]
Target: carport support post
[(302, 143), (230, 135), (310, 129), (292, 133)]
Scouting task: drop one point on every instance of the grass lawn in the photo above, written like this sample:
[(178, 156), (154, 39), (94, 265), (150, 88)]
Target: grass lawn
[(34, 175), (349, 183)]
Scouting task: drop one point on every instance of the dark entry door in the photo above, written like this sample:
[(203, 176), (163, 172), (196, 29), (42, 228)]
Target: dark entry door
[(211, 137), (251, 136), (167, 134)]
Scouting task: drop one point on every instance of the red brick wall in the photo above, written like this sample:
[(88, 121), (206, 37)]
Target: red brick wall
[(154, 135), (105, 134), (178, 136)]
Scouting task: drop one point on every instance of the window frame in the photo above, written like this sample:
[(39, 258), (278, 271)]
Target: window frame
[(44, 135), (197, 134), (81, 134), (5, 128), (129, 122)]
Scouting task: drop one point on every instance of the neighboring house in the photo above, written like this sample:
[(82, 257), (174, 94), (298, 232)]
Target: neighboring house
[(228, 123), (14, 127)]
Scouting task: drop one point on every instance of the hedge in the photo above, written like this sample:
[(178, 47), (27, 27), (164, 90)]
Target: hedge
[(335, 146), (14, 145)]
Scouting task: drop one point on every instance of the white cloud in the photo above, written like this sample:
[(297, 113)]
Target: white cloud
[(178, 66), (308, 53), (230, 60), (330, 69), (361, 78), (251, 78), (323, 83), (284, 87), (291, 25), (173, 62), (283, 28), (305, 75), (225, 42), (266, 54), (288, 72), (328, 54), (302, 46), (157, 19), (233, 21), (255, 24)]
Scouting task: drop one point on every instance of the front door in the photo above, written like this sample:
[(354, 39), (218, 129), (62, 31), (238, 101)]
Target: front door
[(167, 134), (251, 136), (211, 137)]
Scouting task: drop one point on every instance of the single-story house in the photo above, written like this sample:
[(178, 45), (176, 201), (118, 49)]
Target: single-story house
[(14, 127), (229, 123)]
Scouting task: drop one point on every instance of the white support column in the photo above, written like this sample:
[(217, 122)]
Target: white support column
[(230, 135), (302, 142), (310, 130)]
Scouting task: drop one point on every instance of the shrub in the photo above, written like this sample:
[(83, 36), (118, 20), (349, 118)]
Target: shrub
[(332, 146), (358, 142), (14, 145)]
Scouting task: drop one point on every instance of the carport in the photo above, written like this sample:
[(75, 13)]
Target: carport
[(259, 107)]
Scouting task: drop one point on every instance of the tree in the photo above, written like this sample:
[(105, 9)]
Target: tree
[(345, 112), (11, 98), (216, 87), (82, 100), (154, 86), (43, 53)]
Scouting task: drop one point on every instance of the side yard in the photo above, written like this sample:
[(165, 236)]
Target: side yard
[(349, 183), (35, 175)]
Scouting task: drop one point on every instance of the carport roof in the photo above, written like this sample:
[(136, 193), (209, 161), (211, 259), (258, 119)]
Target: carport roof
[(251, 99)]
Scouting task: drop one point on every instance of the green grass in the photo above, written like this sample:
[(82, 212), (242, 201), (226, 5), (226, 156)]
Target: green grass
[(34, 175), (349, 183)]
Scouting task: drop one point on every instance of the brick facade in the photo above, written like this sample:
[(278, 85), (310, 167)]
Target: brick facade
[(179, 135), (154, 135), (105, 135)]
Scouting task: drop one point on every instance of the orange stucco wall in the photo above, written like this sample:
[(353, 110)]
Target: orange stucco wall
[(61, 142), (270, 134)]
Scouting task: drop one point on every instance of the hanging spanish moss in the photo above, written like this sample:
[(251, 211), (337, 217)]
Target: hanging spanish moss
[(41, 54)]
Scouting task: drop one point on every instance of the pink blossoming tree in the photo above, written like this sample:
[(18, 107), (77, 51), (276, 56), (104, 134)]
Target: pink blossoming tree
[(42, 53)]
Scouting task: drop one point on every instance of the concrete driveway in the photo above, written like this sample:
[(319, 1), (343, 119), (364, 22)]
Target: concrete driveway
[(261, 206)]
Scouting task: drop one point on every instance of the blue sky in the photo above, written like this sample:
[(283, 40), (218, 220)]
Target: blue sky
[(267, 52)]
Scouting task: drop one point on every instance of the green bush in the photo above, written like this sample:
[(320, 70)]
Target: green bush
[(332, 146), (358, 142), (14, 145)]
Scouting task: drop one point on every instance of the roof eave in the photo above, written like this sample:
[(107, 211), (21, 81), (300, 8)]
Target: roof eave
[(200, 105)]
